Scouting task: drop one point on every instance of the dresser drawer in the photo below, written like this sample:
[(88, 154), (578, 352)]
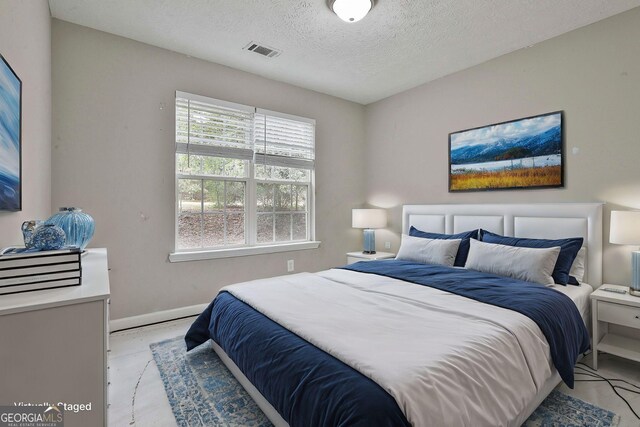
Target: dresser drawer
[(619, 314)]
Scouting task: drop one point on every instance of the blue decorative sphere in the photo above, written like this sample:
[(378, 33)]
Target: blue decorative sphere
[(77, 225), (48, 237), (28, 228)]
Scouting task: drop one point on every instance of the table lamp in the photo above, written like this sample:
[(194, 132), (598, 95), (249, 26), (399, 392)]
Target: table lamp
[(625, 230), (369, 219)]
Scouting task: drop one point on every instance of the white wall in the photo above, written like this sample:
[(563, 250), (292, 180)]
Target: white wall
[(25, 42), (113, 155), (593, 74)]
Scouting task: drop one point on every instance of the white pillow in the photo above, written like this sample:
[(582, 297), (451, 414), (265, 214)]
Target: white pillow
[(577, 268), (428, 251), (528, 264)]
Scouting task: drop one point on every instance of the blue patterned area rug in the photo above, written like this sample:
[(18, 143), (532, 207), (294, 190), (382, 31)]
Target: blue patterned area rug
[(560, 410), (203, 392)]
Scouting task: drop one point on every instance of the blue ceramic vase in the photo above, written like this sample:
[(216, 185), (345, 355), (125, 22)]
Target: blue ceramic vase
[(77, 225), (47, 237)]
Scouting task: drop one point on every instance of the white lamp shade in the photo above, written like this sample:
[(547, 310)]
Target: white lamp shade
[(351, 10), (625, 228), (369, 218)]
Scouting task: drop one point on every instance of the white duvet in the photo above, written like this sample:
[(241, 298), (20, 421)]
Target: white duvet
[(446, 360)]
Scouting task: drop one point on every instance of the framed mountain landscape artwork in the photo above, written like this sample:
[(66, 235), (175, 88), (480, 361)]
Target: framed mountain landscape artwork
[(10, 138), (519, 154)]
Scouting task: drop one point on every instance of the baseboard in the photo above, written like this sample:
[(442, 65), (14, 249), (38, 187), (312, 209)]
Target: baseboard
[(155, 317)]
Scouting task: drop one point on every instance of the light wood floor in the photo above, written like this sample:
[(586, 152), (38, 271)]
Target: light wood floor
[(131, 364)]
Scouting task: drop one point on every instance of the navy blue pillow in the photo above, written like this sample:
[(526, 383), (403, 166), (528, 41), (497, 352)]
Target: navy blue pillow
[(568, 250), (463, 249)]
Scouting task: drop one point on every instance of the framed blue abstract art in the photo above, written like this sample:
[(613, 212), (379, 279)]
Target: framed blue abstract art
[(10, 138)]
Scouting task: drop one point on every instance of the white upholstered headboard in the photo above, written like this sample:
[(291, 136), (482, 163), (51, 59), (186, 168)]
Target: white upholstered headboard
[(533, 220)]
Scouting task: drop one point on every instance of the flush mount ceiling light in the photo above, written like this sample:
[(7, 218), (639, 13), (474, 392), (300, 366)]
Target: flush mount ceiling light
[(351, 10)]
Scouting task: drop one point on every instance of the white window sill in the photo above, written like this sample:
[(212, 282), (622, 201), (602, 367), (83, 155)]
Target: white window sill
[(236, 252)]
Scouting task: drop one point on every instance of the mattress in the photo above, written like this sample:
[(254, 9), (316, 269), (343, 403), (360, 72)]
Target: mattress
[(580, 295)]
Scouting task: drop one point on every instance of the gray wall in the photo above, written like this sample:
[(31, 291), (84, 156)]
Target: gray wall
[(25, 42), (593, 74), (113, 136), (113, 155)]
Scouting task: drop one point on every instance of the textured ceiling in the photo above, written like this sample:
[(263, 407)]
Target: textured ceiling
[(399, 45)]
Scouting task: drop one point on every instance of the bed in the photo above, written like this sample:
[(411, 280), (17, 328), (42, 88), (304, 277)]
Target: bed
[(394, 343)]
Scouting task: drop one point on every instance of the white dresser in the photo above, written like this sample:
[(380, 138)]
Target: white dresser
[(53, 345)]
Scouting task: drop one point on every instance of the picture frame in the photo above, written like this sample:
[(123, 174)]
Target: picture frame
[(10, 138), (525, 153)]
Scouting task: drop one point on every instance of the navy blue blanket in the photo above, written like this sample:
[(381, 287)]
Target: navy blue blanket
[(308, 387), (555, 313)]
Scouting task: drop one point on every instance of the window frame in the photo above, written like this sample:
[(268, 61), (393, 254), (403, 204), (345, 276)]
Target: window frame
[(251, 246)]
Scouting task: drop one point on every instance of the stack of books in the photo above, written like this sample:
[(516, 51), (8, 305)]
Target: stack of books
[(32, 271)]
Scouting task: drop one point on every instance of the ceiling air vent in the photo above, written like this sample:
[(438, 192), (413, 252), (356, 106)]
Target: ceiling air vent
[(263, 50)]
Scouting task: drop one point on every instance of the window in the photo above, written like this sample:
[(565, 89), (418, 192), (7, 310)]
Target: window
[(244, 176)]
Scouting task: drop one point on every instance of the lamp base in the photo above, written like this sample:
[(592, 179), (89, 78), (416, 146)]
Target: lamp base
[(369, 241)]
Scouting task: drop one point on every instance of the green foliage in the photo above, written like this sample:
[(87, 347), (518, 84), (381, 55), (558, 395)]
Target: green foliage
[(281, 197), (210, 166), (278, 173), (197, 195)]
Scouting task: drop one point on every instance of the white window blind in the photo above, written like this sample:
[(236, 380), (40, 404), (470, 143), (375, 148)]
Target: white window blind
[(240, 132), (284, 140), (221, 129)]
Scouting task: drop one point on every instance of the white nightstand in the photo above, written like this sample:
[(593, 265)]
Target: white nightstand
[(619, 309), (359, 256)]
